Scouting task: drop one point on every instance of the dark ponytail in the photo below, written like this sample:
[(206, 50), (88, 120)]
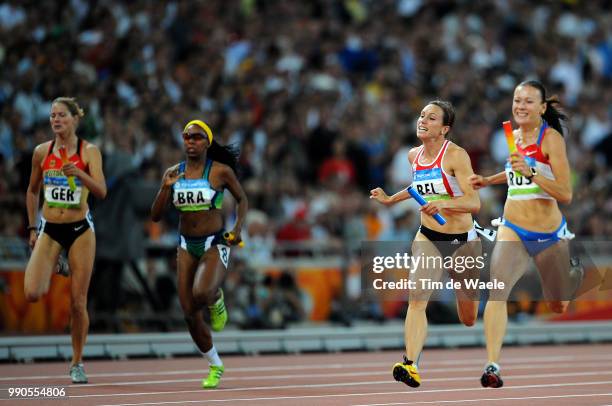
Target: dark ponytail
[(553, 115), (226, 154)]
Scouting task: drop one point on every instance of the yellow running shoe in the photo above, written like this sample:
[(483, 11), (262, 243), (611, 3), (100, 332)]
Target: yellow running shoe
[(407, 372), (218, 314), (214, 376)]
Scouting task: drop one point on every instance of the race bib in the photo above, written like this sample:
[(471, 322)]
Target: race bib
[(430, 185), (224, 252), (193, 194), (485, 232), (565, 234), (58, 194)]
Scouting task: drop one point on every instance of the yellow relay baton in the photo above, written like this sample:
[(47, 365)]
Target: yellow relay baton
[(64, 155), (230, 237), (510, 139)]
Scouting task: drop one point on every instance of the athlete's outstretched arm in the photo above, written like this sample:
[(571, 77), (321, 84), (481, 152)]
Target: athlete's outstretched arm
[(380, 196), (479, 181)]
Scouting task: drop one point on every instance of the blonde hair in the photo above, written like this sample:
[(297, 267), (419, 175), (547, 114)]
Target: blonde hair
[(71, 104)]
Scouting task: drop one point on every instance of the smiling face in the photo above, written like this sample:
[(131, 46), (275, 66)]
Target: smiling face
[(528, 106), (62, 122), (195, 141), (431, 123)]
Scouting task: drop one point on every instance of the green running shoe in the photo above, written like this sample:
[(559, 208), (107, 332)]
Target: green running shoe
[(77, 373), (218, 314), (214, 376)]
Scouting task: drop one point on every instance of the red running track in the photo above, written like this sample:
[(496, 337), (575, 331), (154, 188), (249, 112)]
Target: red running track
[(544, 375)]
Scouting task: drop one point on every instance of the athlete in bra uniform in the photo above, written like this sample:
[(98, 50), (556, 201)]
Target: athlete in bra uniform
[(195, 187), (65, 222), (538, 177), (441, 171)]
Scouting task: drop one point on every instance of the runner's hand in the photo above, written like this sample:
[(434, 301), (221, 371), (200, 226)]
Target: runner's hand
[(171, 176), (33, 238), (478, 181), (518, 164), (380, 196), (70, 169), (434, 207)]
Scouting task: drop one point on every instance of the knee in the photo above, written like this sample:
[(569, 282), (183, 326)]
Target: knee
[(32, 295), (34, 291), (78, 306), (204, 296), (467, 321)]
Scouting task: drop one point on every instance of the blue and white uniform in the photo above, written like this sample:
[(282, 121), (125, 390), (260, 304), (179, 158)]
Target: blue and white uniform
[(521, 188)]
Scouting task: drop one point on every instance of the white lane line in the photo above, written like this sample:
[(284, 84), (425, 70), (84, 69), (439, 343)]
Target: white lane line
[(386, 372), (351, 374), (435, 402), (310, 386), (470, 361), (341, 395), (347, 375), (203, 370)]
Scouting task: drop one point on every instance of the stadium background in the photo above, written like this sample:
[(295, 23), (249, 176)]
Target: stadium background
[(322, 97)]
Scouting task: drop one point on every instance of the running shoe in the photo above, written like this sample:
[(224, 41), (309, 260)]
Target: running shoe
[(491, 377), (62, 266), (77, 373), (407, 372), (214, 376), (218, 314)]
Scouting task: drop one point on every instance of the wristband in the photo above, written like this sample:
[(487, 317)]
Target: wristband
[(533, 173), (31, 228)]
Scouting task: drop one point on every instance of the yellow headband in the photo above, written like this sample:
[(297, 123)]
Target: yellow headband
[(203, 126)]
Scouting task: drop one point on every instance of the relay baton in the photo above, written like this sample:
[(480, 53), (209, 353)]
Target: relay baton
[(416, 196), (62, 152), (230, 237), (510, 139)]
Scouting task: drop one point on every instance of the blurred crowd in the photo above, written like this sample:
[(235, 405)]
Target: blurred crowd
[(321, 96)]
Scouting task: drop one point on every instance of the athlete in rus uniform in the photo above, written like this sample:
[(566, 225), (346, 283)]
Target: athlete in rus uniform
[(66, 222), (195, 187), (538, 177), (441, 171)]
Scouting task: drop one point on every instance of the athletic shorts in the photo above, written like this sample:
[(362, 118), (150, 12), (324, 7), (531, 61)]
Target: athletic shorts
[(197, 246), (66, 233), (536, 242), (447, 244)]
